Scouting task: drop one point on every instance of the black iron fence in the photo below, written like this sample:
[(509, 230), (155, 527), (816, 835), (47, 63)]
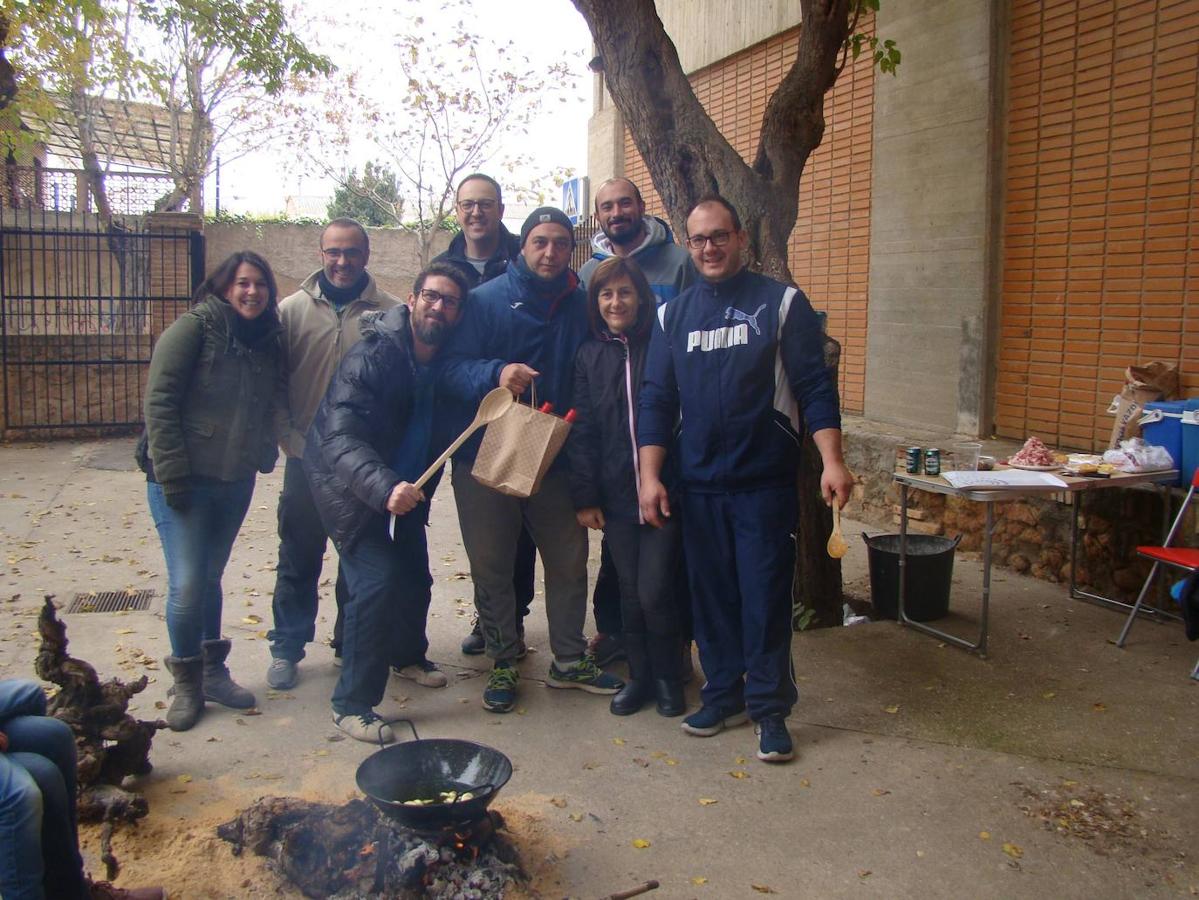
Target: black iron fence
[(65, 190), (584, 231), (81, 305)]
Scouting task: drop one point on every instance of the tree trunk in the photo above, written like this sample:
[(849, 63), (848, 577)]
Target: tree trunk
[(688, 157)]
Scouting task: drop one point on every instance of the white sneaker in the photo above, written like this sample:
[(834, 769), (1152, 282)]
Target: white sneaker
[(367, 727), (424, 673)]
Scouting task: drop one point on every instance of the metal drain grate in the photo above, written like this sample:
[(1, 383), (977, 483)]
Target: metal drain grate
[(110, 601)]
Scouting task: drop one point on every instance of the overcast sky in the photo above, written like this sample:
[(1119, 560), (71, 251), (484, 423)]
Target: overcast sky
[(260, 183)]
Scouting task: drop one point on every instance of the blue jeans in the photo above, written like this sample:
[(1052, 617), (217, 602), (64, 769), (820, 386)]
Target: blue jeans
[(196, 543), (389, 590), (302, 543), (39, 847)]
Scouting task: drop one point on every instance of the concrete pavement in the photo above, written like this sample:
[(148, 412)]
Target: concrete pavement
[(1058, 766)]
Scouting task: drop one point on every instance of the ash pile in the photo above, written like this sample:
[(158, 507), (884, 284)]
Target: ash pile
[(353, 852)]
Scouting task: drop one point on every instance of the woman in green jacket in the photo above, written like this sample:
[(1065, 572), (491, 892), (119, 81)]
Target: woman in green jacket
[(214, 374)]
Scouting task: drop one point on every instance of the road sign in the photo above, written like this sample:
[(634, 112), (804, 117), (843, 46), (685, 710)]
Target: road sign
[(575, 199)]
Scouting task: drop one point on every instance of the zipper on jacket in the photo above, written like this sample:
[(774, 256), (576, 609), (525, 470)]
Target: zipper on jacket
[(628, 391)]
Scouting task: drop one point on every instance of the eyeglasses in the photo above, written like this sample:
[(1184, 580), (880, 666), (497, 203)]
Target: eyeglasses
[(718, 239), (447, 301), (353, 254), (469, 206)]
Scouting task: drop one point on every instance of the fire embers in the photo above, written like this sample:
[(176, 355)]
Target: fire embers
[(321, 849)]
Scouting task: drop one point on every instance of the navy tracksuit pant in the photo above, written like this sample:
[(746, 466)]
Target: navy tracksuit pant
[(740, 550)]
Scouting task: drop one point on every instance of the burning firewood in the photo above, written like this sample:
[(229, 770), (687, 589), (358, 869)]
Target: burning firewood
[(352, 850), (111, 744)]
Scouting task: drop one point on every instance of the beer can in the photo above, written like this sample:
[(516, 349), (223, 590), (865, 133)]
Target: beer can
[(913, 456), (932, 461)]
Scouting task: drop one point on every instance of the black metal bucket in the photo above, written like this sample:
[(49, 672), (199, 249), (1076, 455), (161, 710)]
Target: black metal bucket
[(423, 769)]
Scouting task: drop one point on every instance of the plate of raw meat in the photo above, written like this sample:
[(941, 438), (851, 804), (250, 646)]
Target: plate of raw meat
[(1034, 456)]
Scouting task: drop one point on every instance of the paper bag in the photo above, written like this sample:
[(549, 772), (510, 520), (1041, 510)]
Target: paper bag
[(1142, 384), (518, 449)]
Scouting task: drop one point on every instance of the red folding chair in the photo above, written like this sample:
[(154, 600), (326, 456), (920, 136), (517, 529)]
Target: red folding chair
[(1185, 558)]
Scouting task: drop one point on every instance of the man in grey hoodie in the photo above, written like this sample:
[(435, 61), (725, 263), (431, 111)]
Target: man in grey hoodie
[(626, 231)]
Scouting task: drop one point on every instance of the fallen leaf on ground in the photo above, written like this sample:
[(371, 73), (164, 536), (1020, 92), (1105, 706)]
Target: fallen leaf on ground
[(880, 792), (619, 742), (1099, 707), (805, 782), (707, 801), (559, 802), (1048, 695), (864, 873), (984, 835), (641, 843), (251, 620), (763, 889), (576, 817), (739, 761), (699, 879), (1013, 851), (183, 779), (739, 774), (891, 710)]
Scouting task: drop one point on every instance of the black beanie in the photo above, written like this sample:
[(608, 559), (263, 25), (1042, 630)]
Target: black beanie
[(541, 216)]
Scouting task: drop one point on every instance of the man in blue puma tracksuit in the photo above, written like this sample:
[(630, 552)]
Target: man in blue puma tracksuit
[(740, 356)]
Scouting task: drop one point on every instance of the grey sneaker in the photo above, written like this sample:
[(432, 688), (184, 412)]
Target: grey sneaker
[(282, 674), (366, 727), (584, 675), (424, 673)]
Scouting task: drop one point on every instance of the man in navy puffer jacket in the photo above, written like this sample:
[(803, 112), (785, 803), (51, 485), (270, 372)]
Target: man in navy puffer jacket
[(740, 356), (522, 334)]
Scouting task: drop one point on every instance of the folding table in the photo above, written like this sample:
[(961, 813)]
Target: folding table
[(1076, 486)]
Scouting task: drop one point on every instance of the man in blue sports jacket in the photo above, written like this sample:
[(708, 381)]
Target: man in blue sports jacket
[(740, 356), (522, 334)]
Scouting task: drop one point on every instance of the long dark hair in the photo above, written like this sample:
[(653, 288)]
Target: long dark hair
[(224, 274), (609, 270)]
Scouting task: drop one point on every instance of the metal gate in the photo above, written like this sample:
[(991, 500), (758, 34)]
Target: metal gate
[(80, 308)]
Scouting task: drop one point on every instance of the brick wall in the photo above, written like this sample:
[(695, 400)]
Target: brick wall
[(829, 247), (1101, 257)]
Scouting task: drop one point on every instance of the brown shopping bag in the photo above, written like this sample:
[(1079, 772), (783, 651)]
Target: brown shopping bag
[(1142, 384), (518, 449)]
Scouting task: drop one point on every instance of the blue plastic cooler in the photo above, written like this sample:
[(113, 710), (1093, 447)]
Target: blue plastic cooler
[(1177, 431)]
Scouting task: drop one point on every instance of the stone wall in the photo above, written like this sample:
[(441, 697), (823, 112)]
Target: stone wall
[(294, 252), (1031, 535)]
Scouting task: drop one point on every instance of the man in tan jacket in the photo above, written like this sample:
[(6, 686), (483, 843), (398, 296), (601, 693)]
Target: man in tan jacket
[(320, 324)]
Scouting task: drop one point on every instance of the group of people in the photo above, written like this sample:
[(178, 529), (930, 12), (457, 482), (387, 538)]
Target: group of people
[(691, 378)]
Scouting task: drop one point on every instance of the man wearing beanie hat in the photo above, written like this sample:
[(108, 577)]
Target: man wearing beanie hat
[(523, 331)]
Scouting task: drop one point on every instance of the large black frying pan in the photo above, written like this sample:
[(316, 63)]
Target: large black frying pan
[(422, 769)]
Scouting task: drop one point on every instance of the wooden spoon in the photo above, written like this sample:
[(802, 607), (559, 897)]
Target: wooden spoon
[(836, 541), (491, 407)]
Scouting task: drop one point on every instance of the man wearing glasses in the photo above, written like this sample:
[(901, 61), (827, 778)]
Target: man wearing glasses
[(482, 251), (741, 356), (376, 431), (522, 333), (321, 322)]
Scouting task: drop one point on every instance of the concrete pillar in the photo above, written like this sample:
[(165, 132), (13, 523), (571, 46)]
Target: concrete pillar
[(933, 235)]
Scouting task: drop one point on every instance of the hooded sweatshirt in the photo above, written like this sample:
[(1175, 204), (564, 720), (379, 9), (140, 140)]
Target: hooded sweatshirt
[(667, 266)]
